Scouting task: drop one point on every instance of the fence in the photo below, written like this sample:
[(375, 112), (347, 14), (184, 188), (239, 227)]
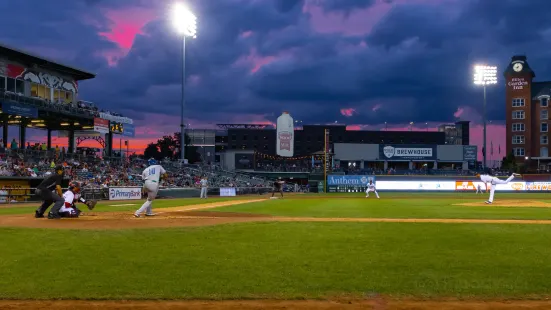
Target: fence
[(17, 195)]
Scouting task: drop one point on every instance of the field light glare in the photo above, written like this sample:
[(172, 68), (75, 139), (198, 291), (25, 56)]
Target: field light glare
[(485, 75), (184, 21)]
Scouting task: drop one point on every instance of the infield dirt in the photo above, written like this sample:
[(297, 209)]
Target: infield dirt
[(509, 203), (195, 215)]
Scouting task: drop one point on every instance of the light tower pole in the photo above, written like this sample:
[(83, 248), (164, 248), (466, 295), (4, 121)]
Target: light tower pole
[(484, 75)]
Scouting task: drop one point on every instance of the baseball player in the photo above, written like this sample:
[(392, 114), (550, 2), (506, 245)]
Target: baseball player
[(45, 190), (71, 196), (479, 189), (204, 183), (371, 188), (493, 181), (152, 176), (278, 187)]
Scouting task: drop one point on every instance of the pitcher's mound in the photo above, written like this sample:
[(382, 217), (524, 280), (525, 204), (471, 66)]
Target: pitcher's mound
[(509, 203)]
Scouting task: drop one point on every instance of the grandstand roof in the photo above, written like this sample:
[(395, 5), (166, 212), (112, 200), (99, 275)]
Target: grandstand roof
[(16, 54)]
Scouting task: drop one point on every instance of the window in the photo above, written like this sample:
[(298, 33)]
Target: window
[(518, 127), (518, 114), (518, 102), (56, 95), (544, 127), (68, 96), (2, 82), (544, 152), (10, 85), (19, 87), (544, 102), (544, 139), (518, 151), (518, 139), (544, 114), (41, 91), (34, 90)]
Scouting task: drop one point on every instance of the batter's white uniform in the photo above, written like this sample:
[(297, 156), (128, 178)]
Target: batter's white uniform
[(151, 176), (493, 181), (371, 188)]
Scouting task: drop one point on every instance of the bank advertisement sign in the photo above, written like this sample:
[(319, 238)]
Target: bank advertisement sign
[(470, 152), (125, 193), (401, 152)]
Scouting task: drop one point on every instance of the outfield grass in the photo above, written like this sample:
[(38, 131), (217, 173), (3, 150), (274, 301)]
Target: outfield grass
[(278, 260), (387, 207), (121, 206)]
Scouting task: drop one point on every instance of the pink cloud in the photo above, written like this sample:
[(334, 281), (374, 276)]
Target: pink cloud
[(458, 113), (254, 61), (246, 34), (348, 112), (126, 24), (376, 107)]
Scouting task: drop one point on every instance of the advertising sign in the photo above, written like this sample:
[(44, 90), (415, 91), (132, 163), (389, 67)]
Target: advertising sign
[(125, 193), (473, 185), (101, 125), (19, 109), (355, 180), (538, 186), (518, 83), (129, 130), (285, 142), (227, 192), (401, 152), (470, 152), (416, 185)]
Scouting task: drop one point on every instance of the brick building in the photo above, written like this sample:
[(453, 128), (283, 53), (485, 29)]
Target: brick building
[(527, 114)]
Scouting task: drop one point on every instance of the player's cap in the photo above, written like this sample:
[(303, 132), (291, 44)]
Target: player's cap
[(152, 162), (477, 175)]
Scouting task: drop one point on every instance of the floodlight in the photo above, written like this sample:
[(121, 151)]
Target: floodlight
[(485, 75), (184, 21)]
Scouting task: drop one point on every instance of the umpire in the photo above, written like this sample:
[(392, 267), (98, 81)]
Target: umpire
[(46, 191), (278, 187)]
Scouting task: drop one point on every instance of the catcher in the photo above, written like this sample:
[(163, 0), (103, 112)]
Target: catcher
[(72, 195)]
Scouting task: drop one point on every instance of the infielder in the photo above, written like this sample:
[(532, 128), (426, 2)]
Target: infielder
[(278, 187), (371, 188), (151, 176), (204, 184), (479, 189), (487, 178)]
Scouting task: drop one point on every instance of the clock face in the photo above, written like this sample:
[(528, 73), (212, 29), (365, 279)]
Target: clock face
[(517, 67)]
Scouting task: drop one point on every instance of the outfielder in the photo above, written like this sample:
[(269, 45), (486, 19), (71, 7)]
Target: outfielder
[(487, 178), (151, 176), (371, 188), (204, 184)]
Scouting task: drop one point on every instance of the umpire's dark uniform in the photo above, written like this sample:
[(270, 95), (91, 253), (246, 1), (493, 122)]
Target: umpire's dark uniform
[(46, 191)]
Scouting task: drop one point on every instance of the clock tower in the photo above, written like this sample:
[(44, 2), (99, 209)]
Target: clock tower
[(519, 109)]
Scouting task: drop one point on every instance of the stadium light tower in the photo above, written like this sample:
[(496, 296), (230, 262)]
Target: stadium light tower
[(485, 75), (185, 23)]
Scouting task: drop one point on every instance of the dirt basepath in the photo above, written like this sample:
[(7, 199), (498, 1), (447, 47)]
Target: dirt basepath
[(374, 304)]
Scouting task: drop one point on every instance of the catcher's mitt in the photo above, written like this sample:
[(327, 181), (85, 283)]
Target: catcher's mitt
[(91, 204)]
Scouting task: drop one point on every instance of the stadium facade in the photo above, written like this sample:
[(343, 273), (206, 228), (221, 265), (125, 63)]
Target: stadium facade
[(43, 94)]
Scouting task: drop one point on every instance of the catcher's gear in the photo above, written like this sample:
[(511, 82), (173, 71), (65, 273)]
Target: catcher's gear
[(91, 204), (74, 187)]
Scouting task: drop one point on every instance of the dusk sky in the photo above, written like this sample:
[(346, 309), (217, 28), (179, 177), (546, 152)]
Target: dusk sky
[(358, 62)]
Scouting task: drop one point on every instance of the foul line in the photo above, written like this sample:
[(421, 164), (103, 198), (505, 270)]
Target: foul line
[(408, 220)]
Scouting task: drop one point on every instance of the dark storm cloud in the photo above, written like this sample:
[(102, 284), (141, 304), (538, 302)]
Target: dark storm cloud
[(414, 65)]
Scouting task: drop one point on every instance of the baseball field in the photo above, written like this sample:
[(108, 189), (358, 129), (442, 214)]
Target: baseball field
[(333, 251)]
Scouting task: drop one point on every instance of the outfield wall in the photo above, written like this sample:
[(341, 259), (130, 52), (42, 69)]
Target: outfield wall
[(358, 183)]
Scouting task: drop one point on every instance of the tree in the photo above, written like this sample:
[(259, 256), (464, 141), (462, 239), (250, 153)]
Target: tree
[(509, 162), (169, 147)]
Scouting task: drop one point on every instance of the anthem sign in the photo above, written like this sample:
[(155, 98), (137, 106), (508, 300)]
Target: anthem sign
[(518, 83)]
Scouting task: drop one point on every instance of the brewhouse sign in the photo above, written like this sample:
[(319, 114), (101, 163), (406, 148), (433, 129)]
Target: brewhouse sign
[(518, 83), (407, 152)]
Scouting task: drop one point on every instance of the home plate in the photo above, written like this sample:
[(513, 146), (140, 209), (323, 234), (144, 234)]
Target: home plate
[(122, 205)]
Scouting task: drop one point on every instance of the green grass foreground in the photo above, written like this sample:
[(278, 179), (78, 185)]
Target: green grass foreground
[(278, 260)]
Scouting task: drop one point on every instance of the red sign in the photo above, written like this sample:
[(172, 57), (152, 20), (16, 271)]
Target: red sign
[(285, 140), (101, 125)]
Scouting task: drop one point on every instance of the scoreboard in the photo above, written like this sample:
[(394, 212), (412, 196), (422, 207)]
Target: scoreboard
[(117, 128)]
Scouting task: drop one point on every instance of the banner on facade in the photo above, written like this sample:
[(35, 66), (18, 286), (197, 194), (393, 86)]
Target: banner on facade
[(470, 152), (354, 180), (101, 125), (401, 152), (19, 109), (285, 142), (113, 118), (129, 130)]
